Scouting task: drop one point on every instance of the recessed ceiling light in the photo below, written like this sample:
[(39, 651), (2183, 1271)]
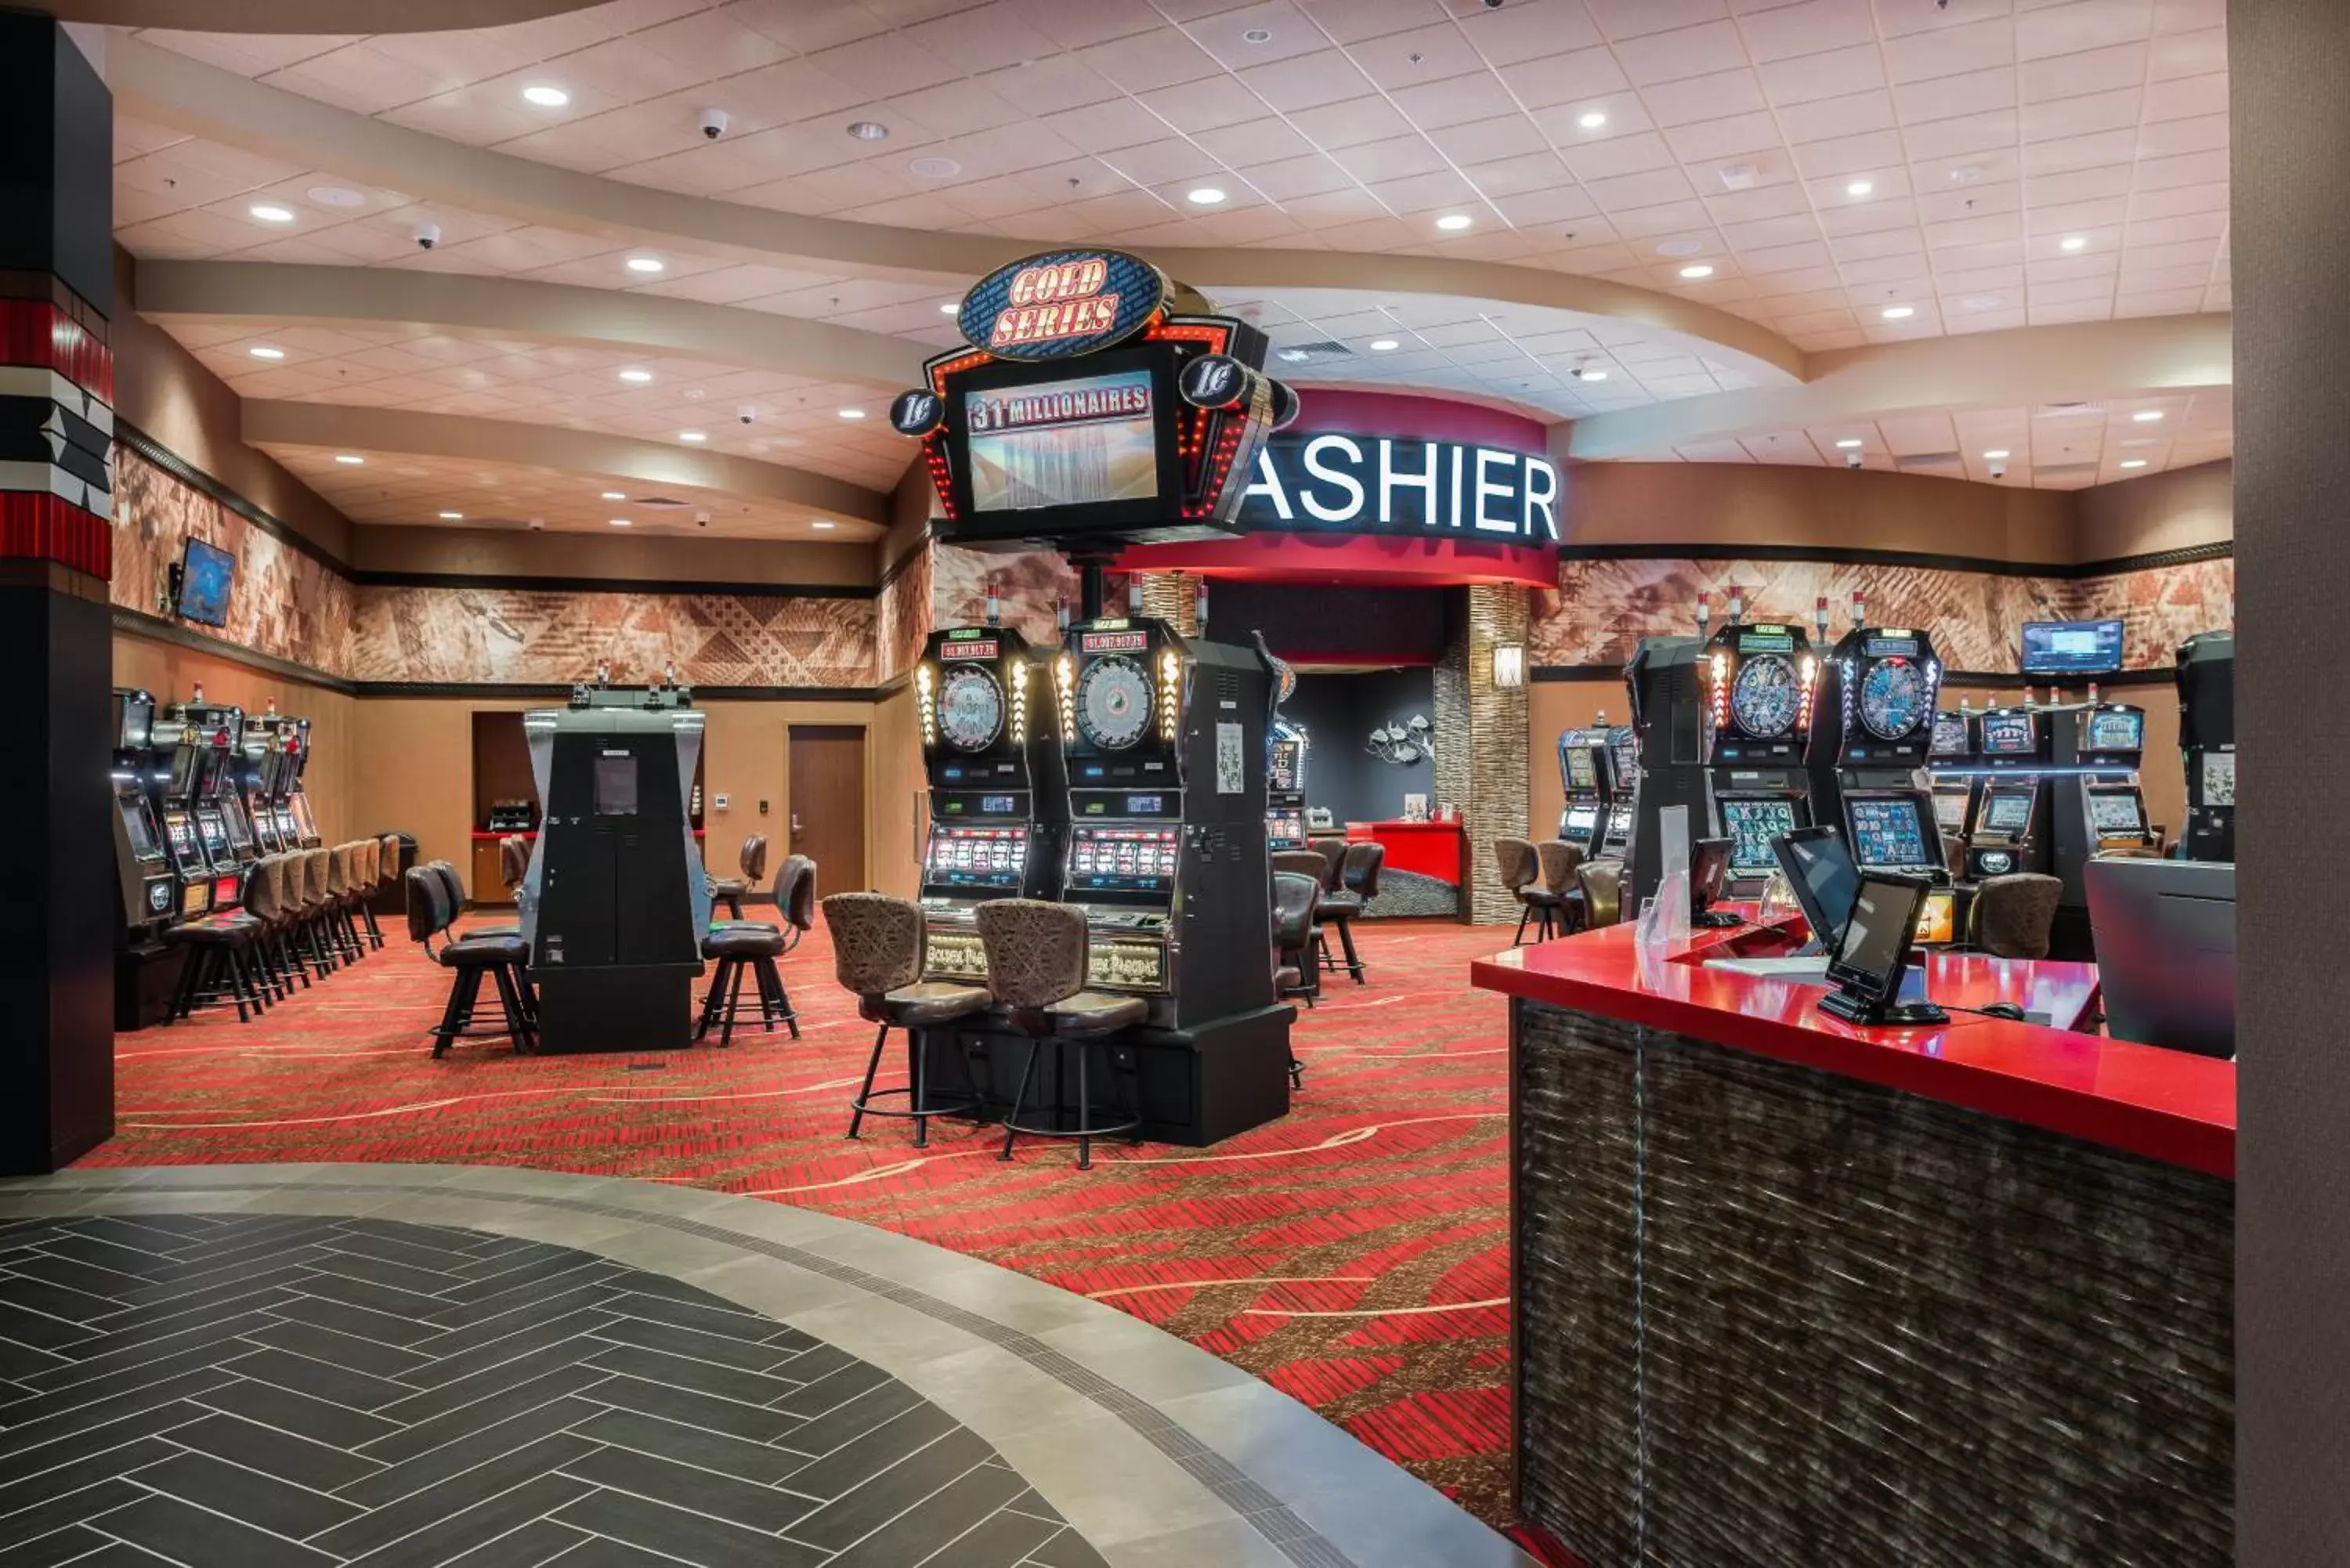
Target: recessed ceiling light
[(2146, 415), (694, 394), (1257, 36), (824, 522), (266, 353), (636, 377), (619, 521), (614, 496), (1205, 196), (336, 196), (1384, 344), (545, 97), (867, 130), (1849, 443), (1294, 356), (852, 414), (349, 459), (1592, 119), (1966, 174), (453, 517), (934, 168), (1454, 223), (1696, 270), (693, 435), (2135, 462), (1996, 454), (2142, 440), (1859, 188), (1981, 302), (1900, 312), (949, 307), (1592, 375), (2074, 243), (269, 214), (647, 265)]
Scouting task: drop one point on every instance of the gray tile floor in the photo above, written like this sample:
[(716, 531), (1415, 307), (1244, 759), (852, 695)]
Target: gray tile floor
[(501, 1368)]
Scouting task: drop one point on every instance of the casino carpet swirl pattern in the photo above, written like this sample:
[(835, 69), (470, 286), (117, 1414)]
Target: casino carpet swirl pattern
[(1353, 1255)]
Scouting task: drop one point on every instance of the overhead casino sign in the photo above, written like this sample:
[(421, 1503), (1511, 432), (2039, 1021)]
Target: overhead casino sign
[(1062, 304), (1311, 482)]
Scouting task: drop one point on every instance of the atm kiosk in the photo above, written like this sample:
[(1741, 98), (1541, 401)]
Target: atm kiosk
[(2015, 748), (198, 737), (999, 801), (615, 901), (1872, 731), (1951, 768), (1583, 778), (2207, 743), (1621, 774), (147, 891), (1761, 680), (1669, 724)]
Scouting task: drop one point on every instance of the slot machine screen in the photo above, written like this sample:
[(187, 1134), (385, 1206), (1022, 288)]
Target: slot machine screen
[(1581, 820), (1950, 736), (998, 804), (978, 857), (2117, 813), (1888, 832), (1950, 810), (2007, 811), (1619, 823), (1937, 919), (215, 834), (1285, 827), (1580, 771), (1077, 442), (139, 826), (1751, 825), (2116, 732), (1122, 859), (1626, 753), (1282, 767), (2010, 734)]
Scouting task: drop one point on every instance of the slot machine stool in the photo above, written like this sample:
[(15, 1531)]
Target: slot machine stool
[(1037, 958), (756, 945), (1358, 884), (432, 911), (879, 946)]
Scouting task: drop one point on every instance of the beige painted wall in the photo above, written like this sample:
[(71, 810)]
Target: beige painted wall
[(629, 559), (1739, 503), (2172, 511), (170, 673), (160, 388)]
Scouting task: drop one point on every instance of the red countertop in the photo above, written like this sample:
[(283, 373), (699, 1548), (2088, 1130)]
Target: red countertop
[(1430, 848), (2169, 1106), (483, 835)]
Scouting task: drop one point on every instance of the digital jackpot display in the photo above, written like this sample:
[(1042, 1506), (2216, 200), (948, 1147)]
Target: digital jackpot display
[(1063, 443)]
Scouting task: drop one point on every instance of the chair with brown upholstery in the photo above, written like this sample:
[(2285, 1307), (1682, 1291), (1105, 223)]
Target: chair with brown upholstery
[(1037, 957), (1300, 863), (369, 875), (1296, 899), (879, 944), (514, 865), (1332, 852), (2013, 915), (264, 900), (1559, 861), (1519, 862), (731, 890), (432, 910), (756, 945), (1602, 883), (1358, 884)]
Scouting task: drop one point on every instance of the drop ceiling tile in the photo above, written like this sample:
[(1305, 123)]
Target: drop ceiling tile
[(1688, 99), (2064, 154), (1310, 80), (1045, 86), (1770, 200), (2187, 169), (1583, 77), (1490, 141), (1653, 222), (1337, 126), (1620, 19), (2203, 133), (2179, 199), (1827, 119), (1140, 63), (1205, 105), (1419, 55), (1107, 127), (1950, 51), (1718, 140), (1458, 101), (1288, 179), (1662, 57), (1848, 154), (1559, 204), (2084, 25), (1396, 158)]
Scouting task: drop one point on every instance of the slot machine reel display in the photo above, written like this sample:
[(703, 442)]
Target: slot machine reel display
[(1621, 774), (999, 800), (1761, 681), (1872, 733), (1950, 766), (147, 889), (188, 748), (1582, 762)]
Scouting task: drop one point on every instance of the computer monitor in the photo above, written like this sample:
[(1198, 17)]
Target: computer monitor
[(2165, 940), (1709, 867), (1825, 881), (1869, 963)]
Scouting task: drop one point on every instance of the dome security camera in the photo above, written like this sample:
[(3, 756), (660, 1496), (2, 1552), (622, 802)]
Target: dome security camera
[(1852, 459), (702, 519), (713, 123), (427, 236), (1998, 469), (538, 524), (747, 412)]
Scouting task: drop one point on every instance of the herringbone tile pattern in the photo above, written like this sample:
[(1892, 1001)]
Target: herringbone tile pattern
[(289, 1391)]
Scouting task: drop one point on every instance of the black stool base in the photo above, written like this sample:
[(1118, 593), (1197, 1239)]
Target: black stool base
[(918, 1108)]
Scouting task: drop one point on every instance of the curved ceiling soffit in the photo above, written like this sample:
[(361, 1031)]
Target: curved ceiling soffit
[(462, 304), (204, 100), (397, 432), (2025, 365), (308, 16)]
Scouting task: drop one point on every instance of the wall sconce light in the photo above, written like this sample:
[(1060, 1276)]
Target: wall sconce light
[(1510, 665)]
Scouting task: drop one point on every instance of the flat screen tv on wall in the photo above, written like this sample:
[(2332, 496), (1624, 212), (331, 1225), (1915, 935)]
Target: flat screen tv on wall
[(207, 573)]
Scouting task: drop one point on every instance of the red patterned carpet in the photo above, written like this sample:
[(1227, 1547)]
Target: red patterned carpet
[(1353, 1255)]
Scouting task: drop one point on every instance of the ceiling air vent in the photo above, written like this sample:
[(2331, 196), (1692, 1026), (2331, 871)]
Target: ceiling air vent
[(2062, 471), (2076, 409), (659, 503), (1929, 460), (1320, 353)]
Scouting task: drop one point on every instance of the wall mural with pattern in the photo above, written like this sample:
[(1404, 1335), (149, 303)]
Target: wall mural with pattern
[(902, 612), (1601, 609)]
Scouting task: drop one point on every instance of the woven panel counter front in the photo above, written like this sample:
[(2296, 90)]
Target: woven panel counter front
[(1769, 1316)]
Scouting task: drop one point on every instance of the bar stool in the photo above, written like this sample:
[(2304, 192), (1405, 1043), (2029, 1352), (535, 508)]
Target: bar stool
[(1296, 897), (1521, 873), (879, 944), (755, 945), (1559, 861), (2013, 915), (1036, 970), (1602, 882), (367, 876), (1358, 884), (219, 964), (731, 890), (430, 913), (1331, 853)]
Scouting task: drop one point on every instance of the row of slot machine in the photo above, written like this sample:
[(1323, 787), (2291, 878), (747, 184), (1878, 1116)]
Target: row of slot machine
[(1757, 732), (202, 790), (1125, 772), (1599, 768)]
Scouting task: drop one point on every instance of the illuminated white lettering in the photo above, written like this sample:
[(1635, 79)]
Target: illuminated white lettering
[(1390, 481), (1268, 485), (1486, 459), (1314, 506), (1542, 497), (1454, 521)]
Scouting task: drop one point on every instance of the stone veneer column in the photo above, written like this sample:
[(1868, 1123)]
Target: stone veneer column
[(1173, 598), (1481, 739)]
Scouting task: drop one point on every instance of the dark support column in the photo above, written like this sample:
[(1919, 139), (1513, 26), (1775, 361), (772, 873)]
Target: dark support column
[(2289, 68), (57, 386)]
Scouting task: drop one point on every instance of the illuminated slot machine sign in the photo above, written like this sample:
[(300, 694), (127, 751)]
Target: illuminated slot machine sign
[(1091, 405), (992, 858), (2112, 729), (2008, 738), (1953, 740), (1107, 859)]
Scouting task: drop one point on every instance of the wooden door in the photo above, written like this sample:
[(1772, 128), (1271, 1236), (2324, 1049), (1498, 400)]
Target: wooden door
[(826, 803)]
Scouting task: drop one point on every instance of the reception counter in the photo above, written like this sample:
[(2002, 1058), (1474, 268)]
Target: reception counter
[(1422, 874), (1790, 1290)]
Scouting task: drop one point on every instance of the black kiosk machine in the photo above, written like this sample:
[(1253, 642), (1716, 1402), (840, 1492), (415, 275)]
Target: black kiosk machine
[(1761, 679), (615, 901), (999, 802), (1285, 746), (2207, 743), (1093, 406), (1668, 746), (1872, 736)]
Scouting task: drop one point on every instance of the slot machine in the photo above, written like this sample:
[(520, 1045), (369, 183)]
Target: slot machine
[(1669, 725), (257, 767), (1951, 768), (146, 889), (1761, 681), (198, 737), (2015, 748), (999, 801), (2207, 743), (1582, 756), (2095, 806), (1286, 745), (1621, 774), (1872, 733), (295, 819)]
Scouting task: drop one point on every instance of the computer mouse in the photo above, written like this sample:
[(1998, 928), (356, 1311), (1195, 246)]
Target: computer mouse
[(2004, 1010)]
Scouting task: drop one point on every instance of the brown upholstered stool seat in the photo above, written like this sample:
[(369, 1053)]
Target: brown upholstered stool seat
[(927, 1003), (1038, 961), (879, 946), (484, 947), (1092, 1013), (756, 945)]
